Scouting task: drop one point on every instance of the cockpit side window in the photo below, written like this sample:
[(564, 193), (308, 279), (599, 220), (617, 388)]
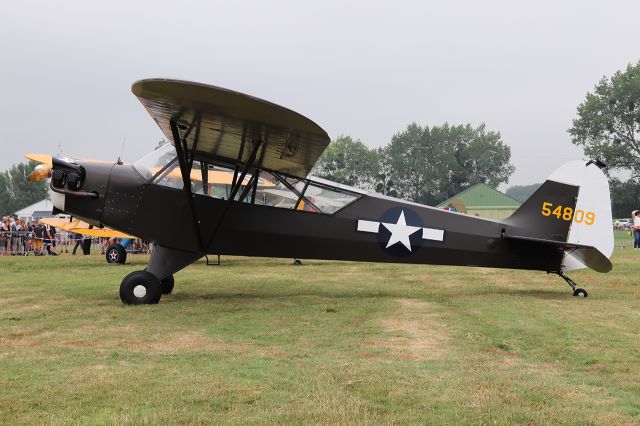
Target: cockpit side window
[(259, 187), (328, 200)]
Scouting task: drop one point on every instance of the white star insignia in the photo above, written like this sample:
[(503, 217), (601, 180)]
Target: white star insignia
[(400, 231)]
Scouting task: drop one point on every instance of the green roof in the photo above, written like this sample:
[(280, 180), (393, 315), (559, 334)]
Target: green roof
[(483, 196)]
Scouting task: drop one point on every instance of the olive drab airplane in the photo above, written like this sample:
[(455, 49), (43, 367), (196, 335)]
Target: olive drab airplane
[(271, 207)]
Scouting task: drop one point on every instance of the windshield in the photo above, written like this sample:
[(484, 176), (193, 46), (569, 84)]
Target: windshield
[(152, 163)]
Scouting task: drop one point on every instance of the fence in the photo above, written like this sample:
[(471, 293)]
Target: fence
[(25, 243)]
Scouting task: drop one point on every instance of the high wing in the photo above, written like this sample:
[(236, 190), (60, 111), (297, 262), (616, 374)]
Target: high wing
[(216, 124)]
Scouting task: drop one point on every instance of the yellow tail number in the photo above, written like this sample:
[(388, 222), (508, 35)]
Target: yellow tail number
[(567, 214)]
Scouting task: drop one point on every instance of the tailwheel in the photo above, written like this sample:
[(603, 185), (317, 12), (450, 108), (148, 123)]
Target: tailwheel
[(140, 288), (580, 292), (167, 285), (116, 254)]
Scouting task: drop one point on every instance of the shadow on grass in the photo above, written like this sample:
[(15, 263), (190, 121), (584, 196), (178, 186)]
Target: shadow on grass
[(352, 294), (533, 293)]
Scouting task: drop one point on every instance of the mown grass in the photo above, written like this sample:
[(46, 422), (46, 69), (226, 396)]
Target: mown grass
[(261, 341)]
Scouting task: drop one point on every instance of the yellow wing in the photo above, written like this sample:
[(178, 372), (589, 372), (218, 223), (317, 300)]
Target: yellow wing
[(103, 233), (79, 227)]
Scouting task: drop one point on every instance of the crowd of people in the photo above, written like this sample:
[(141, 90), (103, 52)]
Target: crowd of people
[(23, 238)]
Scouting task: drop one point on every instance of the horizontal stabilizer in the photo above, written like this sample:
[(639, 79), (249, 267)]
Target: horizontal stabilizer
[(588, 255)]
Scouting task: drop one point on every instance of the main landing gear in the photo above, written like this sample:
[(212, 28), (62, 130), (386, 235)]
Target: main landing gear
[(578, 292), (144, 287)]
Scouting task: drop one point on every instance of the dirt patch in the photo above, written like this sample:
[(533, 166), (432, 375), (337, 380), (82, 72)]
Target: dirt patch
[(175, 343), (418, 331), (29, 308)]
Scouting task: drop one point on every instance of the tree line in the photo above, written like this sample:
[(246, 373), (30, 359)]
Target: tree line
[(422, 164), (430, 164), (16, 192)]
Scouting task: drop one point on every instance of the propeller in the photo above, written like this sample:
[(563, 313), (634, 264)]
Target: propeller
[(43, 170)]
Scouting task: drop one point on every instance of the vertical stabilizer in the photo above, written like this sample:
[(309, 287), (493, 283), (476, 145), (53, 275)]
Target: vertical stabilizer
[(592, 222), (572, 206)]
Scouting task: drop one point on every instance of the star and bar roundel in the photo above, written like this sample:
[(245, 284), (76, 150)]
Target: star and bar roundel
[(400, 231)]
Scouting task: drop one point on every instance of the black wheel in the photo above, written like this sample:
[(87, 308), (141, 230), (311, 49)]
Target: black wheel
[(297, 262), (167, 285), (140, 288), (580, 292), (116, 254)]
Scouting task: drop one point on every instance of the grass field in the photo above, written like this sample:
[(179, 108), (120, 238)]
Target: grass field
[(258, 340)]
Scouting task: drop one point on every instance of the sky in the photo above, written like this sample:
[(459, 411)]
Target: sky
[(361, 68)]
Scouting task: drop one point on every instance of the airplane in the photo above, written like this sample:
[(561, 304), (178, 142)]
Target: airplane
[(116, 252), (564, 226)]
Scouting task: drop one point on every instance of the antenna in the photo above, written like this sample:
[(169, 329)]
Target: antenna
[(121, 151)]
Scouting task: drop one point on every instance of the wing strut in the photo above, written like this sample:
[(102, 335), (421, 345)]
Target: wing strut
[(236, 187), (185, 169), (306, 185)]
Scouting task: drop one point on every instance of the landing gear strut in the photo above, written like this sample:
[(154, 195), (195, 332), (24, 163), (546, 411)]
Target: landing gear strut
[(144, 287), (578, 292)]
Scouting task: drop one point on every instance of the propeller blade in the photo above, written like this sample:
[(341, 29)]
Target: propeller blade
[(41, 158)]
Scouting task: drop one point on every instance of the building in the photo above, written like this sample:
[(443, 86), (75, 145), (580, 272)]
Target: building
[(484, 201), (36, 211)]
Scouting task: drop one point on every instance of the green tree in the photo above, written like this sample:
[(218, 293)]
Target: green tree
[(6, 200), (412, 162), (16, 192), (522, 192), (429, 165), (383, 181), (349, 162), (608, 123), (625, 197)]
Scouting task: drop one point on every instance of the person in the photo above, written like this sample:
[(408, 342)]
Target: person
[(86, 243), (48, 234), (54, 245), (636, 228), (79, 239), (16, 230), (38, 232), (4, 235)]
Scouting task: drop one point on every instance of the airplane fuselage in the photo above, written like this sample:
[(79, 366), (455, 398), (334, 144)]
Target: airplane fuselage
[(372, 228)]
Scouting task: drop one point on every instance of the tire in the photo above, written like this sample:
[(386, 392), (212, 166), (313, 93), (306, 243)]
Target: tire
[(297, 262), (580, 292), (116, 254), (140, 288), (167, 285)]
